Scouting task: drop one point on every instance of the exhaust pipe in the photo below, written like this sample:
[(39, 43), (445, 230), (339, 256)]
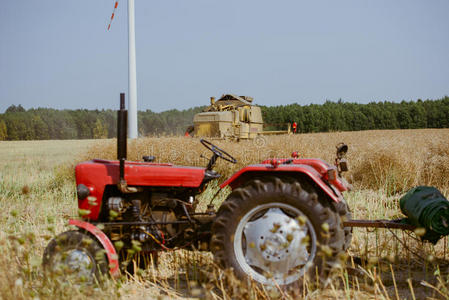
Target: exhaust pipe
[(122, 122), (122, 126)]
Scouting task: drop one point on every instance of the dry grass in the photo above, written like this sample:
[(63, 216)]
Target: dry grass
[(37, 196)]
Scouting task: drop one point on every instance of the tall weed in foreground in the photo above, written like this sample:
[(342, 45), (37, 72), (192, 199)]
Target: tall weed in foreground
[(32, 212), (22, 275), (37, 196)]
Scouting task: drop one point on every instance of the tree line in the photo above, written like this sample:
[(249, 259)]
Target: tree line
[(345, 116), (18, 123)]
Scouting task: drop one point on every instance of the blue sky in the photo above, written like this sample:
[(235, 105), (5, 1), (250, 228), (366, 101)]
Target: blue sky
[(58, 54)]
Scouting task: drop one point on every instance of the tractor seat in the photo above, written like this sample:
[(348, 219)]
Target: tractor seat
[(148, 158)]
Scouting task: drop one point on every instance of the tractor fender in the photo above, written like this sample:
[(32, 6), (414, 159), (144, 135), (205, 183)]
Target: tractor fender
[(269, 170), (104, 241)]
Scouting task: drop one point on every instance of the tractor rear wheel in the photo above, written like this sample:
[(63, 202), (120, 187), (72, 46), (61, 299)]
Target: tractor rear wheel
[(345, 215), (277, 233), (75, 256)]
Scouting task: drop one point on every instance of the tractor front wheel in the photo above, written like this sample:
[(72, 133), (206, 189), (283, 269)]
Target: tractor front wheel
[(277, 233), (75, 256)]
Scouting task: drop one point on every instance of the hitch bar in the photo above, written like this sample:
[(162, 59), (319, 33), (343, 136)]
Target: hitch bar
[(394, 224)]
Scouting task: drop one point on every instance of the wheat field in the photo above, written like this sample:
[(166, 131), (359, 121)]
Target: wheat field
[(37, 196)]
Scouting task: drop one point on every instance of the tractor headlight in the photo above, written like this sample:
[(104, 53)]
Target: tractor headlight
[(82, 191)]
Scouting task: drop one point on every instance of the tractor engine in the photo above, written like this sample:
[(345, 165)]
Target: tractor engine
[(155, 219)]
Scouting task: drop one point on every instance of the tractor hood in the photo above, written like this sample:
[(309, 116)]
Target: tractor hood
[(139, 173)]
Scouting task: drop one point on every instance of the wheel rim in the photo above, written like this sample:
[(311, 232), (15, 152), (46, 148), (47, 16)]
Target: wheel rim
[(76, 263), (275, 243)]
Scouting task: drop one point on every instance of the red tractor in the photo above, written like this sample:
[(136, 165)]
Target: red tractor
[(282, 221)]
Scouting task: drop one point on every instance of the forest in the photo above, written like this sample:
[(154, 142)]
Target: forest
[(17, 123)]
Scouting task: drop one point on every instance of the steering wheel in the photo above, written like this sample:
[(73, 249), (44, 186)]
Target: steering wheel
[(218, 152)]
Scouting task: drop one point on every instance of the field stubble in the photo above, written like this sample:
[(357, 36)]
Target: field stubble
[(37, 196)]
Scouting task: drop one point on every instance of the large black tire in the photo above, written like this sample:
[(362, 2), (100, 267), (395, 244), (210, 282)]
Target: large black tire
[(75, 256), (295, 202), (345, 215)]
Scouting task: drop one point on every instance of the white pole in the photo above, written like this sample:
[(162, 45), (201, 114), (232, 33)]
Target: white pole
[(132, 83)]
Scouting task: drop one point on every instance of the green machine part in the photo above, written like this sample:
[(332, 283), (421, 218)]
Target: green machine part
[(426, 207)]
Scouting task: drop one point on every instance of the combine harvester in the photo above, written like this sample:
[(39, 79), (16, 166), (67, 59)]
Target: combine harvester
[(232, 118)]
